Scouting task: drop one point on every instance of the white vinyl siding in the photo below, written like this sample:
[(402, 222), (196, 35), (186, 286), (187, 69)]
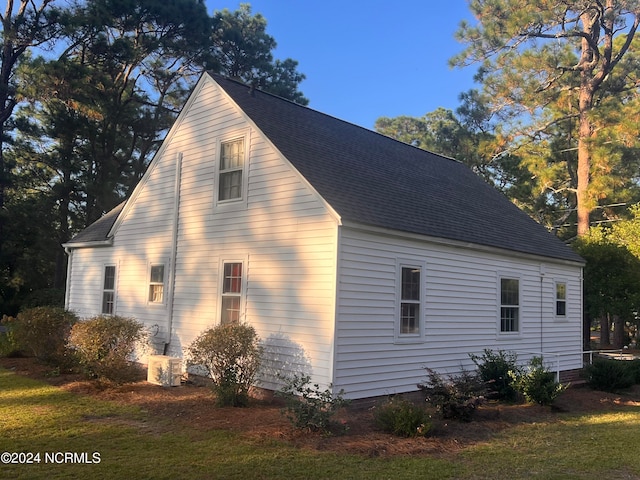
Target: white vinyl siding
[(286, 234), (461, 297)]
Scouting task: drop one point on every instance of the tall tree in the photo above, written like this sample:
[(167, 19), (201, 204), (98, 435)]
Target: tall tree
[(25, 24), (546, 63)]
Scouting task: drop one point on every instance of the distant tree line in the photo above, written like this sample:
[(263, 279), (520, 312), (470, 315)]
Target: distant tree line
[(88, 89)]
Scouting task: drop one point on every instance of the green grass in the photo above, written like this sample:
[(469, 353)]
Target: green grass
[(38, 418)]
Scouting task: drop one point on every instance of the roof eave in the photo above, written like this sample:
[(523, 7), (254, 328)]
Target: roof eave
[(461, 244), (92, 244)]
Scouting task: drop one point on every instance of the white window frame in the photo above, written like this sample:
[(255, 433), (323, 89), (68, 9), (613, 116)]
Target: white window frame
[(105, 291), (418, 335), (153, 283), (557, 300), (518, 306), (240, 201), (241, 296)]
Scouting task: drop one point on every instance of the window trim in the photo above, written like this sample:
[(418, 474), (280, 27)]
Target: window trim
[(243, 287), (106, 290), (419, 336), (560, 316), (151, 283), (241, 201), (500, 305)]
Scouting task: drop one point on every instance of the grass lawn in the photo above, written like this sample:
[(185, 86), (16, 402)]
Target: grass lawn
[(116, 441)]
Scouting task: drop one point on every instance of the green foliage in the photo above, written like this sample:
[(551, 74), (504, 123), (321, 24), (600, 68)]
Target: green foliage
[(308, 407), (105, 347), (494, 369), (609, 375), (456, 397), (231, 354), (402, 418), (537, 383), (611, 277), (43, 331), (8, 344)]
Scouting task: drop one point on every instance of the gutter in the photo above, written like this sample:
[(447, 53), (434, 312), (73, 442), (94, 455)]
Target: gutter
[(174, 252)]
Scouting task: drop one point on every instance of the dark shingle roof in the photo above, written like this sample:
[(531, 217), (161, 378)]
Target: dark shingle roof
[(98, 231), (372, 179)]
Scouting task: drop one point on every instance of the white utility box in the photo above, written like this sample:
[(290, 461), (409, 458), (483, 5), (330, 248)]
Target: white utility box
[(164, 370)]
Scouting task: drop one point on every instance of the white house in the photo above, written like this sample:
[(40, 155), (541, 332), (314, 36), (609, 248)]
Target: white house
[(359, 260)]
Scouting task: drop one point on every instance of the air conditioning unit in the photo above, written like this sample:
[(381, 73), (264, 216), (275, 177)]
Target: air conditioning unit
[(164, 370)]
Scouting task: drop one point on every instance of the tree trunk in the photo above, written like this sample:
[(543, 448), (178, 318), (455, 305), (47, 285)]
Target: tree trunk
[(605, 338), (618, 332)]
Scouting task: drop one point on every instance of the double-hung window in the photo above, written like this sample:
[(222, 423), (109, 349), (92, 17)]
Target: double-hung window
[(230, 176), (561, 299), (509, 305), (156, 284), (109, 290), (231, 292), (411, 299)]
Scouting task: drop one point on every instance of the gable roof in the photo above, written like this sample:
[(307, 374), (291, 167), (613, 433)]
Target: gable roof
[(371, 179)]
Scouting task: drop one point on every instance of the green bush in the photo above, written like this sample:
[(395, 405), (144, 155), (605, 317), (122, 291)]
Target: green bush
[(105, 347), (537, 384), (308, 407), (231, 354), (496, 370), (42, 332), (634, 367), (402, 418), (609, 375), (8, 345), (456, 397)]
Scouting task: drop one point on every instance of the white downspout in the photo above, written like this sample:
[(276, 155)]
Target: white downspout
[(174, 251), (67, 292)]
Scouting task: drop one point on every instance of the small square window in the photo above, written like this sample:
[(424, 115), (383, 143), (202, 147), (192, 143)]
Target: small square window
[(156, 284)]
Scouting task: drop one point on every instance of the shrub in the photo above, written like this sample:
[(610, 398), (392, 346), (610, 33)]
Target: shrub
[(308, 407), (537, 384), (455, 397), (8, 345), (43, 331), (609, 375), (634, 367), (105, 347), (231, 354), (402, 417), (494, 369)]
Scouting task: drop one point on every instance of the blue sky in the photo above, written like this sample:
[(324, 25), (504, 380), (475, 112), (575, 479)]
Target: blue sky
[(364, 60)]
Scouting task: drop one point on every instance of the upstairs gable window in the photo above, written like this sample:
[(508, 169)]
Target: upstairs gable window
[(231, 167)]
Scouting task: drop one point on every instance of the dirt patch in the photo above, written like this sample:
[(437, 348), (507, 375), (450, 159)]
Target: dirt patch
[(193, 406)]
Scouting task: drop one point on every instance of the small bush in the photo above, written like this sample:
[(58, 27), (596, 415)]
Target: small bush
[(308, 407), (8, 345), (42, 332), (105, 346), (634, 368), (231, 354), (496, 371), (538, 384), (402, 418), (455, 397), (609, 375)]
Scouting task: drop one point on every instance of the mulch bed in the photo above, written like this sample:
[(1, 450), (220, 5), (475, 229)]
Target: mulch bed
[(193, 406)]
